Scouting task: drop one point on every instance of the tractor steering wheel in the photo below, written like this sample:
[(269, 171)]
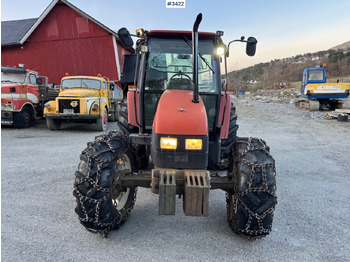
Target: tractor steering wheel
[(180, 74)]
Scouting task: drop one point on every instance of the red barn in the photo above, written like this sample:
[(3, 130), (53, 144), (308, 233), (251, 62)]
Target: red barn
[(62, 40)]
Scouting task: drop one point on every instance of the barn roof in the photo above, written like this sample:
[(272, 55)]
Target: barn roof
[(13, 31), (17, 32)]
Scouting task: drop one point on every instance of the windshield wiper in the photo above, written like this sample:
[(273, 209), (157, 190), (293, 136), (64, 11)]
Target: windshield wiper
[(190, 45)]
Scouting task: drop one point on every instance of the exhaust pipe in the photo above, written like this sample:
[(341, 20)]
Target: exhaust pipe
[(195, 58)]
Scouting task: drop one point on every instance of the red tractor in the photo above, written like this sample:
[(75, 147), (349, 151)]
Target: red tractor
[(178, 137)]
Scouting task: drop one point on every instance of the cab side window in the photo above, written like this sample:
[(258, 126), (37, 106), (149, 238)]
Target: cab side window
[(104, 85), (32, 79)]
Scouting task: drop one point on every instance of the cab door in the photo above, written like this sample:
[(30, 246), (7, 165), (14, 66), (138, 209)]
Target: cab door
[(105, 99)]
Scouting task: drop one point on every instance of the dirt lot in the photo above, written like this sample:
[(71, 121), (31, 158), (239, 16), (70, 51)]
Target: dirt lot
[(311, 223)]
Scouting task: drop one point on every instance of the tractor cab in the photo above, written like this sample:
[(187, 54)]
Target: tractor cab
[(165, 62), (168, 66), (177, 93)]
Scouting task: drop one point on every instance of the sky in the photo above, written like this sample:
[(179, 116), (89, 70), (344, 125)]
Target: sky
[(283, 28)]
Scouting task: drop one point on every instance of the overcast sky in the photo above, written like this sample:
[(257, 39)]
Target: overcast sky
[(283, 28)]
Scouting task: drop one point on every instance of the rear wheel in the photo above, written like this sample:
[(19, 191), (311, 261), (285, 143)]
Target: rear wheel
[(251, 204), (102, 204), (24, 118), (124, 120), (114, 114), (232, 134), (142, 151)]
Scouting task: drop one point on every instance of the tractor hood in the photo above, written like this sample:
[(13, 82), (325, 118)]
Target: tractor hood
[(80, 93), (177, 115)]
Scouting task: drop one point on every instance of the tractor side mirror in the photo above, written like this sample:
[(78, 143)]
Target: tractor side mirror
[(125, 38), (251, 46)]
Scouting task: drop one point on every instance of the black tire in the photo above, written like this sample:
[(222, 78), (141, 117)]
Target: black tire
[(232, 134), (102, 122), (53, 124), (142, 151), (114, 114), (251, 204), (24, 118), (123, 123), (101, 204)]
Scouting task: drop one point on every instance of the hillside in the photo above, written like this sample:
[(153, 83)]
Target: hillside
[(290, 69), (343, 46)]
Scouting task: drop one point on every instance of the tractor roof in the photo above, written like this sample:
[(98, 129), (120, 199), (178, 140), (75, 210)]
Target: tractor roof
[(180, 33)]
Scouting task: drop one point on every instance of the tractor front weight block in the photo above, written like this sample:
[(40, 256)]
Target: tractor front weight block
[(194, 185), (167, 194)]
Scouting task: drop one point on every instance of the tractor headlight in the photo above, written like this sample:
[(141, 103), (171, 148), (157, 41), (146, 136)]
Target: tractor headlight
[(193, 144), (220, 50), (168, 143), (47, 105)]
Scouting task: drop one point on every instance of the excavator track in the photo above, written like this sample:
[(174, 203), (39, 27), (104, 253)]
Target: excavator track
[(307, 104)]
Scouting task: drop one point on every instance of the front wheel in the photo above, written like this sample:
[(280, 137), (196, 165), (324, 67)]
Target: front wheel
[(102, 122), (251, 204), (102, 203), (53, 124), (24, 118)]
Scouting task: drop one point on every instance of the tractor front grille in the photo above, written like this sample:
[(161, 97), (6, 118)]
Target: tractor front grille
[(73, 104)]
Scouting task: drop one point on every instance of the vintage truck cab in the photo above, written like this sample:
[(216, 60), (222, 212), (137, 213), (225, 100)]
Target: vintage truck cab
[(84, 99), (23, 95)]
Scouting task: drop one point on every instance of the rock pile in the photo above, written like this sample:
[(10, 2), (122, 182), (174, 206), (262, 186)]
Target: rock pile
[(273, 95)]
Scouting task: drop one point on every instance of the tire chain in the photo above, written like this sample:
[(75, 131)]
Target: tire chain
[(262, 232), (89, 153)]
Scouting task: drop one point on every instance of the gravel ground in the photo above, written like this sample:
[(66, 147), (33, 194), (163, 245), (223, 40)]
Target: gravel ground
[(311, 223), (284, 109)]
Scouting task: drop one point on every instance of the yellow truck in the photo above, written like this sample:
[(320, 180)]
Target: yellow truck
[(84, 99)]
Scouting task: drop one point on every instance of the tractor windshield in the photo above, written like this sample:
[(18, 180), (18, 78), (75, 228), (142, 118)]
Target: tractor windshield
[(169, 65)]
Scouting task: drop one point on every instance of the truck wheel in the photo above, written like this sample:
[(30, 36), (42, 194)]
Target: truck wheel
[(53, 124), (24, 118), (101, 203), (114, 114), (251, 204), (102, 122), (142, 151), (232, 134)]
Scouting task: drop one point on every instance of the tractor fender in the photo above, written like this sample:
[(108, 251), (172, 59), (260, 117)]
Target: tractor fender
[(177, 115)]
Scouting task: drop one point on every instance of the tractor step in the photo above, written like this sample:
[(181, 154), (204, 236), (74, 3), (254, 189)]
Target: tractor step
[(196, 197)]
